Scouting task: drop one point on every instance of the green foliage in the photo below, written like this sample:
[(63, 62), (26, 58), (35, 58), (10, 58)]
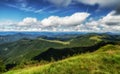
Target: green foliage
[(2, 66), (25, 49), (21, 53), (99, 62)]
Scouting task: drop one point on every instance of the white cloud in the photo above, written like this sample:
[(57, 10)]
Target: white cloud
[(112, 19), (28, 21), (109, 23), (52, 23), (74, 19)]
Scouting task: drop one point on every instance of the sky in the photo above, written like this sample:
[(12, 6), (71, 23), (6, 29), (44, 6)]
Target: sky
[(60, 15)]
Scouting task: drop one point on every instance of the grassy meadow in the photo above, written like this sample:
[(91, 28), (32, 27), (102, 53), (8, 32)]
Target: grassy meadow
[(106, 60)]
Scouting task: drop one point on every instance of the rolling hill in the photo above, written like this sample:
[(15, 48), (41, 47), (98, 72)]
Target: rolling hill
[(38, 49), (22, 50), (106, 60)]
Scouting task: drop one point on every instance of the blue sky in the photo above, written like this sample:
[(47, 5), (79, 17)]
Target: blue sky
[(20, 9), (47, 15)]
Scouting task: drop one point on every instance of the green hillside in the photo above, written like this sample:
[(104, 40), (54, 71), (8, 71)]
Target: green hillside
[(2, 66), (25, 52), (25, 49), (106, 60)]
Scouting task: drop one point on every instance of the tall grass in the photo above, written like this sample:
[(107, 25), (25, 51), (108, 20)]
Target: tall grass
[(104, 61)]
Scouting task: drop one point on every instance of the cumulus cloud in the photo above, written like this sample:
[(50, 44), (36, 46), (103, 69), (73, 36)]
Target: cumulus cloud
[(28, 21), (109, 23), (51, 23), (111, 19), (74, 19)]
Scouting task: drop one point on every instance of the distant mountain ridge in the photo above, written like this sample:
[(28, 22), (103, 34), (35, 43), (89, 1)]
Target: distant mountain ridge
[(6, 37)]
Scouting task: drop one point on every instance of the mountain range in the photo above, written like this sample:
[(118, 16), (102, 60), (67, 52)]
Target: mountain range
[(22, 48)]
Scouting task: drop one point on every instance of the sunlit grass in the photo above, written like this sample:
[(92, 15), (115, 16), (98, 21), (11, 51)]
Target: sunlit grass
[(57, 41), (99, 62), (98, 38)]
